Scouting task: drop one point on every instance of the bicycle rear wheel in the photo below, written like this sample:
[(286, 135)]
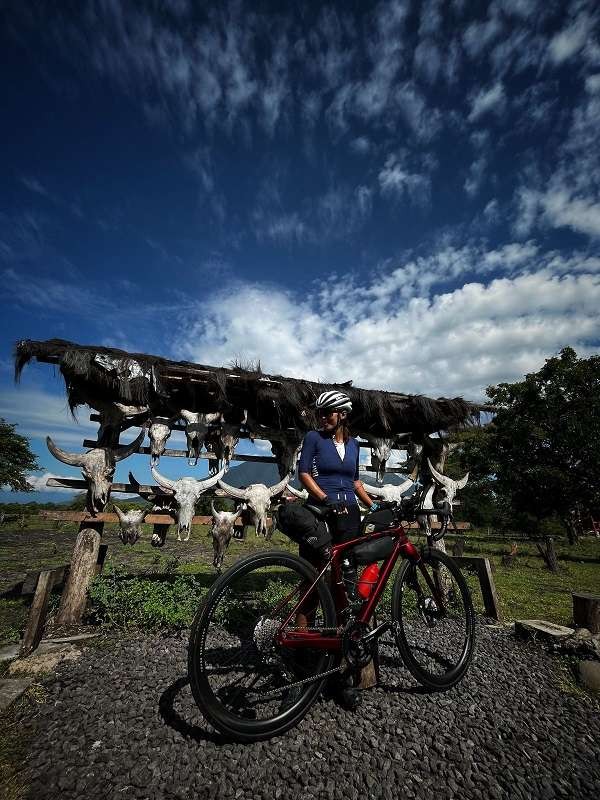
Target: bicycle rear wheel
[(435, 637), (247, 686)]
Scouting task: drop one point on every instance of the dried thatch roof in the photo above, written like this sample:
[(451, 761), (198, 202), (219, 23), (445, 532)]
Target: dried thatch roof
[(106, 375)]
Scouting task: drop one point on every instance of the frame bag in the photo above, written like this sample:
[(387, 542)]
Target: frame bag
[(303, 527)]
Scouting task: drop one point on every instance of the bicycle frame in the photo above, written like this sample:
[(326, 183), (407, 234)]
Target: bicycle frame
[(299, 638)]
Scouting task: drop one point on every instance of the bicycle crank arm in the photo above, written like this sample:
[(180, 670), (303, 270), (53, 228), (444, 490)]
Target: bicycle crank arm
[(377, 632)]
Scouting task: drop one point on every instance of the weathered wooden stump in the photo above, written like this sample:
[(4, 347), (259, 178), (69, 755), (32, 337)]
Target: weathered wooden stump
[(39, 608), (83, 569), (586, 611)]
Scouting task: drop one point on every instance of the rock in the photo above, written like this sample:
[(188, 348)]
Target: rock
[(582, 634), (12, 689), (589, 672)]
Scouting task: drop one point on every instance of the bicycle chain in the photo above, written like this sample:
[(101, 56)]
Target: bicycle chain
[(304, 681), (312, 679)]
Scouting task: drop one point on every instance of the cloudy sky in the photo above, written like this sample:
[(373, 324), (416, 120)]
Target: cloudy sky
[(405, 194)]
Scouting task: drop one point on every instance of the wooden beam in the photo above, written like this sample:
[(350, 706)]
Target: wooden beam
[(152, 519), (183, 454)]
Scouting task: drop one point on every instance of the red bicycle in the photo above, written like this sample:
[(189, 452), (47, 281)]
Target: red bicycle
[(255, 672)]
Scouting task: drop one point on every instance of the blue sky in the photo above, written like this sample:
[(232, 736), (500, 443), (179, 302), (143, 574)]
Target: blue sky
[(405, 194)]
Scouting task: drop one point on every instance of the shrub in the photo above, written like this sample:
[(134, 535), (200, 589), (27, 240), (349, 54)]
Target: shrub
[(119, 599)]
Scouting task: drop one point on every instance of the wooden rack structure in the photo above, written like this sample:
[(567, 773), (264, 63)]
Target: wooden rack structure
[(97, 376)]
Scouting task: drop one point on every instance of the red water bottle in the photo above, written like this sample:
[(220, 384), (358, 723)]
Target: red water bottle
[(368, 579)]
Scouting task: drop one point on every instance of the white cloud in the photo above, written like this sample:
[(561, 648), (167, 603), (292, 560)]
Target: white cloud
[(415, 340), (396, 179), (474, 180), (592, 83), (38, 483), (569, 41), (563, 209), (42, 414), (487, 101)]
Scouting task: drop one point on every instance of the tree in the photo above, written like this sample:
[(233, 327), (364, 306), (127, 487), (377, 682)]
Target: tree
[(542, 450), (16, 458)]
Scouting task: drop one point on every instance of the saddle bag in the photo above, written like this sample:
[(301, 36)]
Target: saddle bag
[(303, 527)]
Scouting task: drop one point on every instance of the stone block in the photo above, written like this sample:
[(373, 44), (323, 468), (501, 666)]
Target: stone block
[(540, 629), (11, 689)]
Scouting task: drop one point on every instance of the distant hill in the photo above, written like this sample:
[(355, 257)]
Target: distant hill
[(254, 472)]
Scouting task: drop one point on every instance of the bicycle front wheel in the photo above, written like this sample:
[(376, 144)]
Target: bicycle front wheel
[(435, 620), (247, 686)]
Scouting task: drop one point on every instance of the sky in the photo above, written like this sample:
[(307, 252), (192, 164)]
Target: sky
[(403, 194)]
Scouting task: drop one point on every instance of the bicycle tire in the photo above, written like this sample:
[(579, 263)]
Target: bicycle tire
[(235, 724), (416, 616)]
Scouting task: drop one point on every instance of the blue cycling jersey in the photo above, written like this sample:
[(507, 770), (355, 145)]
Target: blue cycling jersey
[(320, 458)]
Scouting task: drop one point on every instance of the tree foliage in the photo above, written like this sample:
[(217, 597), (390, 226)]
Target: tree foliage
[(16, 458), (541, 453)]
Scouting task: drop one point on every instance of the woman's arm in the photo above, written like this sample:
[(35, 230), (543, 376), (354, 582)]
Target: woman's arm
[(311, 485), (360, 492)]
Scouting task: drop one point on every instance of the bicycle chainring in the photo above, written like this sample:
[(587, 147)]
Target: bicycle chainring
[(357, 652)]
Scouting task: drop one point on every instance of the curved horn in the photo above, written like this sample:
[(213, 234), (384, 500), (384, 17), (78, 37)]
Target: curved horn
[(202, 486), (405, 486), (462, 482), (164, 483), (374, 490), (303, 495), (279, 487), (444, 480), (119, 513), (237, 494), (72, 459), (212, 509), (126, 450)]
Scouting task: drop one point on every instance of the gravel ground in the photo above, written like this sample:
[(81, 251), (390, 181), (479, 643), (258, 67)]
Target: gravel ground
[(121, 722)]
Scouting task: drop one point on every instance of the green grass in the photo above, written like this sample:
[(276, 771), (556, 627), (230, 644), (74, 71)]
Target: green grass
[(526, 590)]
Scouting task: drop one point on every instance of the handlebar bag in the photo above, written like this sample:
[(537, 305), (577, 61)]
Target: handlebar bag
[(377, 521), (303, 527)]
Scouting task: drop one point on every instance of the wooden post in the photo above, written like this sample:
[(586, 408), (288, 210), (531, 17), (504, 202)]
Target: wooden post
[(486, 581), (586, 611), (83, 568), (37, 613)]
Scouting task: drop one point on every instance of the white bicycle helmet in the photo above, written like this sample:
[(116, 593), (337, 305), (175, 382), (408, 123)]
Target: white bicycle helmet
[(333, 401)]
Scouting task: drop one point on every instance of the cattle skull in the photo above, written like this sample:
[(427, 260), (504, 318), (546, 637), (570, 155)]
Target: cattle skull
[(380, 452), (98, 467), (389, 493), (258, 499), (186, 492), (448, 487), (196, 428), (115, 417), (158, 432), (130, 522), (223, 440), (221, 532), (286, 452)]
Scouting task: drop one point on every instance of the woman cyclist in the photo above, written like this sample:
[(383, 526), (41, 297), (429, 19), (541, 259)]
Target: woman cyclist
[(328, 465), (328, 469)]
